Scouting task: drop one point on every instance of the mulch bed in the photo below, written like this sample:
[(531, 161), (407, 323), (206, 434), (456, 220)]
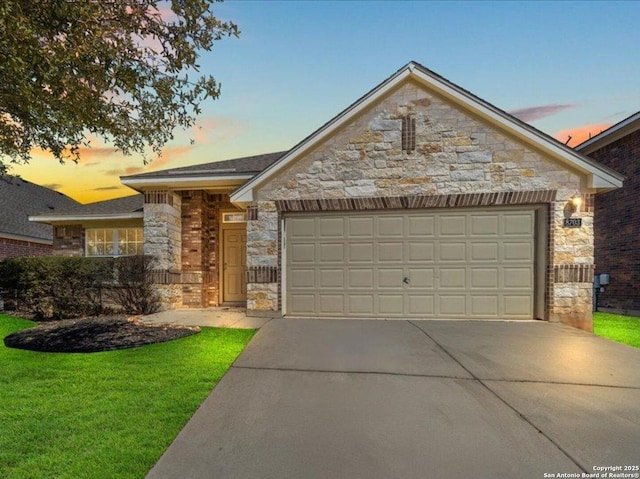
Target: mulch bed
[(94, 334)]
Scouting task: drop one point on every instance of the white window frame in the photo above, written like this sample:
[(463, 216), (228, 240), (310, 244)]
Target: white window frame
[(115, 243)]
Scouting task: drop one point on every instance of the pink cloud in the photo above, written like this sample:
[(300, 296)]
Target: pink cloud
[(215, 129), (580, 134)]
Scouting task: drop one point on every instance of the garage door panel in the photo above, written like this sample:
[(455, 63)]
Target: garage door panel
[(360, 278), (453, 225), (302, 304), (485, 306), (517, 306), (360, 226), (303, 253), (331, 278), (452, 252), (421, 305), (303, 278), (390, 278), (332, 304), (303, 228), (452, 278), (518, 225), (390, 252), (421, 278), (361, 252), (331, 228), (485, 278), (391, 226), (486, 252), (421, 264), (517, 251), (518, 278), (421, 251), (331, 252), (361, 304), (451, 305), (421, 226), (485, 225), (391, 304)]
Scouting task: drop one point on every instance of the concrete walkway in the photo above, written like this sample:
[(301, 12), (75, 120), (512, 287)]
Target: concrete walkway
[(415, 399), (221, 317)]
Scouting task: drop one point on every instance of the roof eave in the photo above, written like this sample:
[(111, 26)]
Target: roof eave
[(53, 219), (187, 182), (30, 239), (608, 136)]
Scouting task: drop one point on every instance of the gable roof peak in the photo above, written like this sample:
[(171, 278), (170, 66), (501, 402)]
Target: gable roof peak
[(600, 177)]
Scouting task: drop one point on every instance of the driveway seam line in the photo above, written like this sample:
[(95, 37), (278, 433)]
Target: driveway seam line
[(492, 392), (335, 371)]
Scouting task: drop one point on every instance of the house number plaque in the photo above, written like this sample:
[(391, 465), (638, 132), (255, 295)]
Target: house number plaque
[(572, 222)]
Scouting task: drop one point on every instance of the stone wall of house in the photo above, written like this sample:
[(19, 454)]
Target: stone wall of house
[(262, 255), (200, 247), (13, 248), (163, 240), (455, 153), (68, 240), (617, 225)]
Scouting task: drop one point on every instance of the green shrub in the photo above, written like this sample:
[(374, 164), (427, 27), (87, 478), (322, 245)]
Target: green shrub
[(135, 292), (70, 287)]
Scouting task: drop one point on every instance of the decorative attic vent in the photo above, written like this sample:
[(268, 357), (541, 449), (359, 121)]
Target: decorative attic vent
[(408, 134)]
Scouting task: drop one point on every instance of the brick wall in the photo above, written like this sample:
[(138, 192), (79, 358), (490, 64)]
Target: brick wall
[(12, 248), (617, 225), (200, 244), (68, 240)]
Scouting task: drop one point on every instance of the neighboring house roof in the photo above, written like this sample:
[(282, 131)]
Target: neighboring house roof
[(608, 136), (600, 177), (19, 199), (230, 172), (119, 208)]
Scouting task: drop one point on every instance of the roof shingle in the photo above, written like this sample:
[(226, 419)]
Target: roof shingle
[(20, 199)]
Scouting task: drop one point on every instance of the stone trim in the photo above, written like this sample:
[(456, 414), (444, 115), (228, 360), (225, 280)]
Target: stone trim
[(573, 273), (502, 198), (252, 213), (262, 274), (158, 197)]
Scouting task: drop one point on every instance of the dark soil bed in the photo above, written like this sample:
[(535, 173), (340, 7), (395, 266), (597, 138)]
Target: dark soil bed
[(94, 334)]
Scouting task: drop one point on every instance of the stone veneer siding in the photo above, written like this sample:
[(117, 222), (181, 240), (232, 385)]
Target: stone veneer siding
[(617, 226), (13, 248), (163, 240), (455, 153)]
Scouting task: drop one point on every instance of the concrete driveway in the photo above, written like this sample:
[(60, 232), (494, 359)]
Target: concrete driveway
[(416, 399)]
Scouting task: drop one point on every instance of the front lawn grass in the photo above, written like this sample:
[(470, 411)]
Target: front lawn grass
[(103, 415), (623, 329)]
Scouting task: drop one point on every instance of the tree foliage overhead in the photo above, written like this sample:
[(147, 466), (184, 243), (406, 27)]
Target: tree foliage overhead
[(125, 71)]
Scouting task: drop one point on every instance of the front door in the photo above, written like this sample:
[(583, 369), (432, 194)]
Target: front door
[(234, 258)]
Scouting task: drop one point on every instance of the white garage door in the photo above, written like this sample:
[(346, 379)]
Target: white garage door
[(449, 264)]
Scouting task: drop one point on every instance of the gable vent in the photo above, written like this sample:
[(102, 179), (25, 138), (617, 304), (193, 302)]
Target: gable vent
[(408, 134)]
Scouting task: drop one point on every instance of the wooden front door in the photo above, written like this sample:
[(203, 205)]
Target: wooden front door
[(234, 264)]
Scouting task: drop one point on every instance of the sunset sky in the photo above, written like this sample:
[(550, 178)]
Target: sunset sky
[(567, 68)]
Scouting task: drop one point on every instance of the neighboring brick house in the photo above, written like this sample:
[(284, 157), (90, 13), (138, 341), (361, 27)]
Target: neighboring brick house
[(19, 199), (617, 218), (101, 229), (420, 200)]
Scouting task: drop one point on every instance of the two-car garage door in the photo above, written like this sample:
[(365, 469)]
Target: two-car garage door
[(447, 264)]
